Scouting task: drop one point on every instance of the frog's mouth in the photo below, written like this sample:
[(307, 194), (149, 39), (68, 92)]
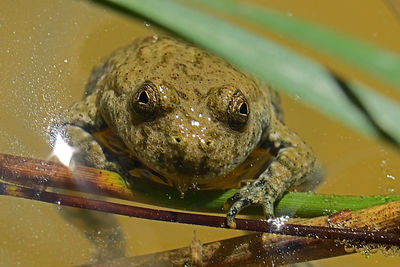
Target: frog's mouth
[(181, 175), (186, 173), (250, 169)]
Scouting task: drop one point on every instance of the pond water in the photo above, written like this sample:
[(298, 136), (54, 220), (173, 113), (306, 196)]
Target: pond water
[(47, 50)]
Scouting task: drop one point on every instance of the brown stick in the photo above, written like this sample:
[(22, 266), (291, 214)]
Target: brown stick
[(34, 172), (46, 174), (355, 235), (271, 249)]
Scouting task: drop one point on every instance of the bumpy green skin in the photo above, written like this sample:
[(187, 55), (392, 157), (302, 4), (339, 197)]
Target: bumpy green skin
[(189, 140)]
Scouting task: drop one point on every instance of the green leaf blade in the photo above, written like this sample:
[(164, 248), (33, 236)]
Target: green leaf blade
[(381, 63)]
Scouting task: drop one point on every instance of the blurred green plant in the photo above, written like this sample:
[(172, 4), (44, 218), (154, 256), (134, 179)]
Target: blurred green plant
[(378, 62), (347, 101)]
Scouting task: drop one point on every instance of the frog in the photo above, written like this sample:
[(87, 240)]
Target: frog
[(190, 117)]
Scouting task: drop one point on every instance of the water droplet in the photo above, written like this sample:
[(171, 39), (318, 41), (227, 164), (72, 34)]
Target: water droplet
[(390, 176)]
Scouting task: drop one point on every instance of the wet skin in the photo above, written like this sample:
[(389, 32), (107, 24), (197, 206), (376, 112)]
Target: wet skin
[(190, 117)]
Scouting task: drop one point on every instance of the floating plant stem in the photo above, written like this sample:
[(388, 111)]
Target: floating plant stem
[(270, 226), (42, 174)]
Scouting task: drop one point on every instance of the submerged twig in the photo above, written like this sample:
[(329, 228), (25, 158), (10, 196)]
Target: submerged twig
[(253, 249), (273, 250)]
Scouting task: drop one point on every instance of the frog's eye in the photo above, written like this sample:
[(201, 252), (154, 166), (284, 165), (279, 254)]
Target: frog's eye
[(146, 101), (238, 111)]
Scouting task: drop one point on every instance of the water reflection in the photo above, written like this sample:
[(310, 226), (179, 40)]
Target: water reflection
[(62, 150)]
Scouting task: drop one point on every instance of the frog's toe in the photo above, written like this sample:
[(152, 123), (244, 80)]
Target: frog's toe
[(246, 197), (236, 197), (268, 207), (235, 209)]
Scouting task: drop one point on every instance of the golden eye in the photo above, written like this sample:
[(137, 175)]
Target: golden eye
[(146, 101), (238, 111)]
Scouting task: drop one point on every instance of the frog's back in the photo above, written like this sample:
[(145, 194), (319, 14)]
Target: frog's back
[(101, 69), (171, 60)]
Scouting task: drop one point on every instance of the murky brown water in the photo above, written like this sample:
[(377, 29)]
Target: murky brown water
[(47, 49)]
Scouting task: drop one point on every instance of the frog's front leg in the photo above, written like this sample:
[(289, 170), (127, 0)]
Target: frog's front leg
[(76, 123), (293, 161), (101, 229)]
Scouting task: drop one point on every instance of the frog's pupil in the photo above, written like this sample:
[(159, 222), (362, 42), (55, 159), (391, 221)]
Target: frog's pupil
[(243, 109), (144, 97)]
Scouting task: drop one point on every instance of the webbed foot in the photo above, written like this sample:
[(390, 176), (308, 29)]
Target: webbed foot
[(255, 193)]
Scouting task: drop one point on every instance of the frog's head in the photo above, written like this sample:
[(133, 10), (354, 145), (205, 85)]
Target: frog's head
[(185, 114)]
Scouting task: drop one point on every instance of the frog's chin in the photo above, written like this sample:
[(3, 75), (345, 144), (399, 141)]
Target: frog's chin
[(183, 182), (188, 175), (194, 181)]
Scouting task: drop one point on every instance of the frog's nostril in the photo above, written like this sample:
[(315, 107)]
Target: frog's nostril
[(207, 145), (176, 139)]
